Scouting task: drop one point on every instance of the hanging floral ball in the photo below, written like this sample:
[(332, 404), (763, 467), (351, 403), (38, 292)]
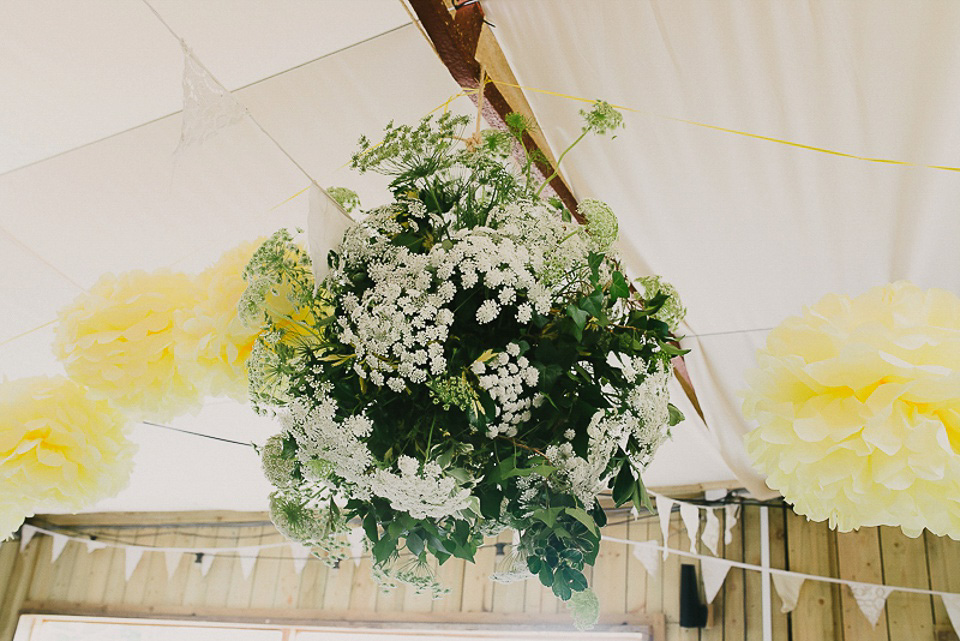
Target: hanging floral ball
[(59, 448), (472, 361), (858, 404), (119, 338), (216, 343)]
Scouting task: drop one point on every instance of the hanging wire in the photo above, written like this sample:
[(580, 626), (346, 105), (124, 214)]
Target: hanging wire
[(200, 434)]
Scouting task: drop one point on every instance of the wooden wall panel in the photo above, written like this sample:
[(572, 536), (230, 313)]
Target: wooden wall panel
[(859, 558), (94, 583)]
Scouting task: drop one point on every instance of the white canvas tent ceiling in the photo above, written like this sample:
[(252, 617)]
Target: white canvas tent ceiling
[(748, 230)]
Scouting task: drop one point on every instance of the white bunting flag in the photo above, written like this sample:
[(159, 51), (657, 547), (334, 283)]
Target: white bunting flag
[(131, 559), (711, 532), (326, 222), (355, 537), (172, 560), (690, 515), (870, 598), (714, 572), (206, 560), (952, 604), (207, 106), (93, 545), (26, 534), (664, 507), (648, 555), (300, 554), (248, 559), (729, 521), (56, 548), (788, 589)]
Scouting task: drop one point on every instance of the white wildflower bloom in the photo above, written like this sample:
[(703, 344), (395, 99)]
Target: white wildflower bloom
[(429, 493), (321, 435), (487, 311), (511, 389)]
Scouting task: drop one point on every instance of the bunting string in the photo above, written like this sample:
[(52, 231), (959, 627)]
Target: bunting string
[(789, 573)]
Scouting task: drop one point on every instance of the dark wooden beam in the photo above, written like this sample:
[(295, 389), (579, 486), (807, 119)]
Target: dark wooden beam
[(456, 38)]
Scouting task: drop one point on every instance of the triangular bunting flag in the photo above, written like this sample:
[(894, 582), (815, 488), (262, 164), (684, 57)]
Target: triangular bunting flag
[(664, 507), (356, 544), (56, 548), (714, 572), (952, 604), (648, 555), (729, 521), (206, 560), (326, 222), (207, 106), (26, 534), (248, 559), (711, 532), (690, 514), (300, 554), (172, 559), (788, 589), (93, 545), (870, 598), (131, 559)]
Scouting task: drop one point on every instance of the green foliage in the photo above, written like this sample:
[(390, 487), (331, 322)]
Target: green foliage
[(581, 355)]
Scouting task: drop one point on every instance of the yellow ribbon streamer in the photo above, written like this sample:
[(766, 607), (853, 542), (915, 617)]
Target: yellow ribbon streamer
[(736, 132)]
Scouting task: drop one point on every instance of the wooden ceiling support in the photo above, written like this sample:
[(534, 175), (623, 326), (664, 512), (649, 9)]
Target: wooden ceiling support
[(467, 46), (457, 39)]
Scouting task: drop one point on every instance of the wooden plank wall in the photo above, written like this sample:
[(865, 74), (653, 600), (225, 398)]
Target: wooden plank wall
[(94, 583)]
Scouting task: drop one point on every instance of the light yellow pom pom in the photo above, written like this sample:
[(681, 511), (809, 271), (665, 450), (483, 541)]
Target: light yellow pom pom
[(858, 404), (58, 448), (216, 344), (118, 339)]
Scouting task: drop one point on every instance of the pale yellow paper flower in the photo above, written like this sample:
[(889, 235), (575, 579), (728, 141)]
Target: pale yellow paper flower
[(858, 404), (118, 339), (216, 344), (59, 448), (13, 511)]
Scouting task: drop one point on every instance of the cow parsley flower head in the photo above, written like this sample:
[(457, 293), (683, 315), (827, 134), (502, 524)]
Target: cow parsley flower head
[(277, 467), (602, 118), (602, 226), (422, 494), (673, 312), (346, 198), (296, 520), (584, 607), (513, 567), (413, 571)]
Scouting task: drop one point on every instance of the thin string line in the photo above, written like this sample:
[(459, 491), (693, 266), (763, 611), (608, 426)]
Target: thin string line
[(730, 331), (423, 33), (200, 434), (240, 88), (28, 332), (728, 130)]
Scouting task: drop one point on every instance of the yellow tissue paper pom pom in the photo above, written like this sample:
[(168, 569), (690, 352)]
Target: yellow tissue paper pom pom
[(59, 448), (118, 339), (216, 344), (858, 404)]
